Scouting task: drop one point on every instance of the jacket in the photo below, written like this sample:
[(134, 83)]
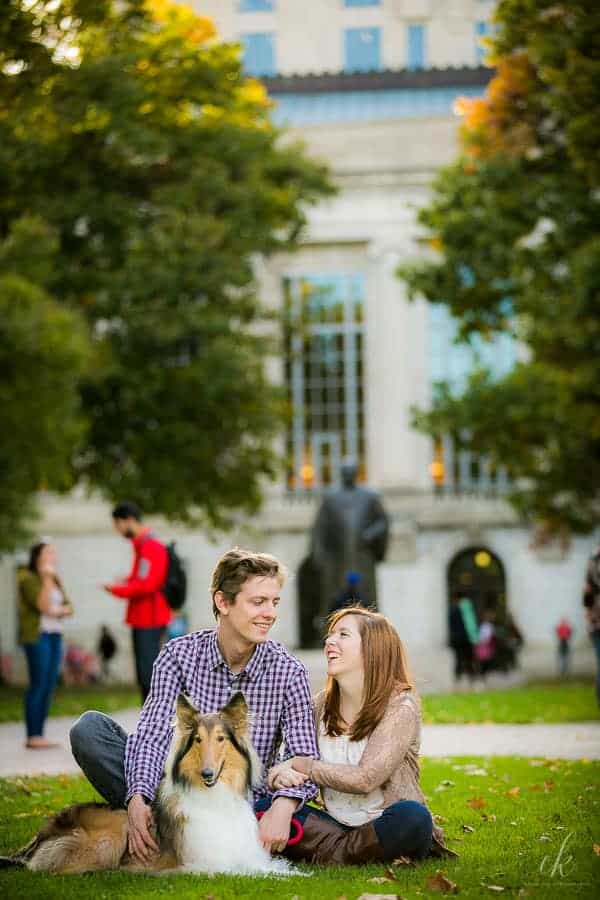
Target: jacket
[(147, 606), (30, 585)]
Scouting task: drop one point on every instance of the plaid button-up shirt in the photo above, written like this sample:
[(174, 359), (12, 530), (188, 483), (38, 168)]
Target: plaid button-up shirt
[(274, 683)]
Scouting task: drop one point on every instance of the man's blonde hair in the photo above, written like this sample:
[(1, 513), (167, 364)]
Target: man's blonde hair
[(235, 568)]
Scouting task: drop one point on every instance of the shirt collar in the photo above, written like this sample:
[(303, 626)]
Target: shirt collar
[(141, 537), (253, 667)]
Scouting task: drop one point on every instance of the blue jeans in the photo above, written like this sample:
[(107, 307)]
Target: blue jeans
[(146, 647), (43, 663), (595, 637)]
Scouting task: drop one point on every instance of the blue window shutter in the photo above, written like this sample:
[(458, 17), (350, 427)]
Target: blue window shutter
[(362, 49), (416, 47), (362, 2), (256, 5), (259, 53), (481, 30)]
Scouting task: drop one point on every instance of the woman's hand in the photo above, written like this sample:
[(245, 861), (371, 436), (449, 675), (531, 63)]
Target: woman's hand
[(283, 776), (302, 764)]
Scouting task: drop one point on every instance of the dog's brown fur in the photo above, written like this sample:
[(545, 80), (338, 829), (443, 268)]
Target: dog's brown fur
[(91, 836)]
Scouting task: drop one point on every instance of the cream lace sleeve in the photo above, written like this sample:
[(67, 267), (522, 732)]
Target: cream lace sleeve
[(385, 750)]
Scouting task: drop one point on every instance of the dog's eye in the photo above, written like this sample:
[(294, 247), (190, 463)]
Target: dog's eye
[(220, 739)]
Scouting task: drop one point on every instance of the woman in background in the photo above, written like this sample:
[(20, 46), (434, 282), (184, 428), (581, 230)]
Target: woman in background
[(43, 605)]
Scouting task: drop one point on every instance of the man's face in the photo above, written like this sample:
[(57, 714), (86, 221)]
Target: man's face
[(125, 527), (254, 611)]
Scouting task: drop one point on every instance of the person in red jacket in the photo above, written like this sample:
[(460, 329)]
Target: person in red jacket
[(148, 612)]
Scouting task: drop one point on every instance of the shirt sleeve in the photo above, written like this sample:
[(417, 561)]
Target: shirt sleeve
[(299, 737), (386, 748), (151, 573), (148, 746)]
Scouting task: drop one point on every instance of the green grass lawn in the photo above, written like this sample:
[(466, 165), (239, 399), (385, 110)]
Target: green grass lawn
[(508, 818), (551, 701), (71, 701), (567, 701)]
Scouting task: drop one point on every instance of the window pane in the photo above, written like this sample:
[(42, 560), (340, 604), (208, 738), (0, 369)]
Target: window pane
[(362, 2), (481, 30), (362, 49), (322, 323), (259, 53), (416, 46), (256, 5)]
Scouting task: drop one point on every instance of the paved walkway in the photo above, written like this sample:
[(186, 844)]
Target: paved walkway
[(569, 741)]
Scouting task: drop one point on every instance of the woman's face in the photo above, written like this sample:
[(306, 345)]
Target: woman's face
[(47, 559), (343, 647)]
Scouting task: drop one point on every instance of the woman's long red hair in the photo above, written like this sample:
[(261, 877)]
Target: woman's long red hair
[(385, 667)]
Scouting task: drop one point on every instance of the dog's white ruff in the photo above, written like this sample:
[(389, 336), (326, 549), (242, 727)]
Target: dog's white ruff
[(220, 834)]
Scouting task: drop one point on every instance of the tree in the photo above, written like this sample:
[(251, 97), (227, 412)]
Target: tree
[(132, 133), (513, 225)]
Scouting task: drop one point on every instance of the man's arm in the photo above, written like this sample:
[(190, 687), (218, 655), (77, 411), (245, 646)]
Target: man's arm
[(152, 573), (148, 746), (299, 736)]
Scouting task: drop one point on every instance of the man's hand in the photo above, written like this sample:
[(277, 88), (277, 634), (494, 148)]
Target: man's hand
[(141, 844), (274, 827), (283, 776)]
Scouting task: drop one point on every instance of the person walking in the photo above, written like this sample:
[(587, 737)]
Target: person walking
[(43, 606), (148, 612), (107, 648), (464, 635), (564, 632), (591, 602)]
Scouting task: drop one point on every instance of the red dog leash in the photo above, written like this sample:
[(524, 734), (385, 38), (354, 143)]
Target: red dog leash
[(296, 833)]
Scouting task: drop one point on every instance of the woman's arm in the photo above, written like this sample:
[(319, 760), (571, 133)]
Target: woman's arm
[(385, 750), (43, 599)]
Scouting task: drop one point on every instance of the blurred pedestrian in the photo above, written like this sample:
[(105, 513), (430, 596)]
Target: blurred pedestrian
[(107, 648), (148, 612), (485, 650), (43, 606), (350, 594), (463, 632), (564, 632), (591, 601)]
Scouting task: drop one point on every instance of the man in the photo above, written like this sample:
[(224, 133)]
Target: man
[(209, 667), (148, 612), (591, 602)]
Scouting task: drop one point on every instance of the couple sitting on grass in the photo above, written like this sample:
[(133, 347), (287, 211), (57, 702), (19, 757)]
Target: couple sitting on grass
[(358, 741)]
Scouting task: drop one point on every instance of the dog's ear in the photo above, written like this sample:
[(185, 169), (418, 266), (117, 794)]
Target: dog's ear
[(187, 714), (236, 714)]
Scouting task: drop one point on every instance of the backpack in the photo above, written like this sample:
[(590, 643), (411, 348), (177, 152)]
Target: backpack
[(175, 586)]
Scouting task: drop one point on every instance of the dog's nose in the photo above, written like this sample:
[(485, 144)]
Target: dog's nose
[(207, 774)]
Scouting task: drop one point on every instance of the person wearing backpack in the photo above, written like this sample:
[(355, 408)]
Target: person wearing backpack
[(148, 612)]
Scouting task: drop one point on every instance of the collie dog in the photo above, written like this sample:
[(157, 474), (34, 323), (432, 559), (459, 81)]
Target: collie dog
[(204, 818)]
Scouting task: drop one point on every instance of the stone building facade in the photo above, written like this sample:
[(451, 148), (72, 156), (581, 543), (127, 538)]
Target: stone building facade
[(357, 355)]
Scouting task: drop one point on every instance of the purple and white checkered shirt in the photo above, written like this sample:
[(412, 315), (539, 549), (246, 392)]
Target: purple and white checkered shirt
[(274, 683)]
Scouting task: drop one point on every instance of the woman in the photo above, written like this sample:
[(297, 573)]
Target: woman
[(368, 723), (43, 605)]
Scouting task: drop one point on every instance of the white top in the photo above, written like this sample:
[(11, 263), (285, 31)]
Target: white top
[(351, 809), (50, 624)]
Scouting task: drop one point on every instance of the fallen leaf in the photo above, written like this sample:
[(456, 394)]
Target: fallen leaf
[(476, 802), (545, 838), (513, 792), (596, 849), (548, 786), (380, 897), (494, 887), (402, 861), (468, 828), (439, 819), (535, 787), (441, 883), (488, 818), (380, 879)]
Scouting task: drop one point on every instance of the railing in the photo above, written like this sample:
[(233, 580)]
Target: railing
[(458, 471)]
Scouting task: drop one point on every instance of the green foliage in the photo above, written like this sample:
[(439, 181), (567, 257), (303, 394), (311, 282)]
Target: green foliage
[(514, 223), (510, 839), (131, 132)]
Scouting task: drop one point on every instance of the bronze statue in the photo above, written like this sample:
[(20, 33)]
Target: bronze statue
[(349, 537)]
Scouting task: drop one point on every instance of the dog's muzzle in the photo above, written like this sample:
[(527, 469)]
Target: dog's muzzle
[(210, 777)]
